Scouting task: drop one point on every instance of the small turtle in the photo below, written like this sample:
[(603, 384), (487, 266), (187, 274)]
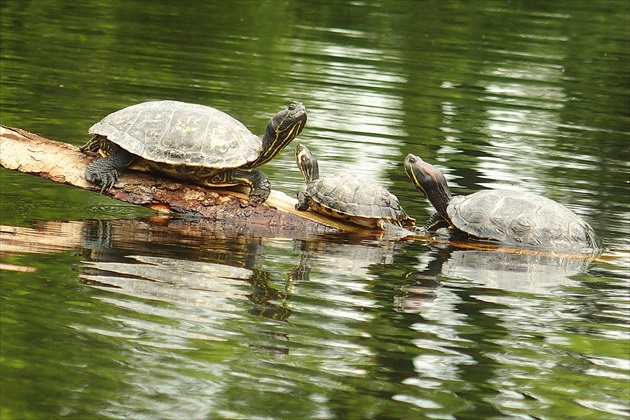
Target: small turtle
[(347, 196), (191, 142), (515, 218)]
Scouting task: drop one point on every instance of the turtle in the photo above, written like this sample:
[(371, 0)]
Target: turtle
[(348, 196), (515, 218), (190, 142)]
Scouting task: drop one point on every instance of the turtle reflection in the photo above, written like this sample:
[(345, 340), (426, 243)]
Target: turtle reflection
[(206, 284), (503, 268), (215, 279)]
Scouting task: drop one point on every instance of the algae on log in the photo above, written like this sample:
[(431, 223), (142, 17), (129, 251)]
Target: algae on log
[(64, 163)]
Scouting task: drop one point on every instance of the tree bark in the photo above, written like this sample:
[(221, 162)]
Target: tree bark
[(64, 163)]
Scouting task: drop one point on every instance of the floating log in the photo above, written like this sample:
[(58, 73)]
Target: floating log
[(64, 163)]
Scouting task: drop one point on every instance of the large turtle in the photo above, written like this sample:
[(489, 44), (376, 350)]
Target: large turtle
[(515, 218), (191, 142), (347, 196)]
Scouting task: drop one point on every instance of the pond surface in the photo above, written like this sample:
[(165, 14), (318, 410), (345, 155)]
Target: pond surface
[(109, 312)]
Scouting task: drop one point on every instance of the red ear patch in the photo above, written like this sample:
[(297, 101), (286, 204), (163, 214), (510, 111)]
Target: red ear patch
[(428, 170)]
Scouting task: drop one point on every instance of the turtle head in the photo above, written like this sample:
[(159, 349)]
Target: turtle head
[(282, 129), (307, 163), (430, 181)]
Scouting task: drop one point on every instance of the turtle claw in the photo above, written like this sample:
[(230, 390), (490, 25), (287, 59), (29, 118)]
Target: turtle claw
[(105, 171), (112, 177), (258, 196), (304, 202), (106, 179)]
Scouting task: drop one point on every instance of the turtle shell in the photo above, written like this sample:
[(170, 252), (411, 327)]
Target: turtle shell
[(359, 199), (178, 133), (519, 218)]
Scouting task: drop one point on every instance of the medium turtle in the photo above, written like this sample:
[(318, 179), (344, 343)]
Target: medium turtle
[(190, 142), (347, 196), (515, 218)]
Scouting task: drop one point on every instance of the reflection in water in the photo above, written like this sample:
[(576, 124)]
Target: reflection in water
[(356, 112), (505, 318), (420, 321), (506, 269), (217, 277), (502, 269), (514, 272), (521, 127), (187, 282), (352, 258)]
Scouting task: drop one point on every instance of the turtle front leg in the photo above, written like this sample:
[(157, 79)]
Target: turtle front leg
[(435, 222), (255, 178), (105, 171), (304, 202)]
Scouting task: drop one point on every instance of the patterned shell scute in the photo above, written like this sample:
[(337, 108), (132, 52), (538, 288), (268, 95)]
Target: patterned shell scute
[(354, 196), (519, 218), (179, 133)]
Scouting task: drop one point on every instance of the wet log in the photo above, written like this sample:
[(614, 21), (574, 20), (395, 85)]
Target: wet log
[(64, 163)]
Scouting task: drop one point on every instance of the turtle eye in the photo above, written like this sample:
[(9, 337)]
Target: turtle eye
[(412, 160), (292, 106)]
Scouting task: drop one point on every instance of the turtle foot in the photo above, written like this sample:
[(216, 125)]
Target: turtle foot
[(102, 172), (106, 179), (105, 171), (258, 196)]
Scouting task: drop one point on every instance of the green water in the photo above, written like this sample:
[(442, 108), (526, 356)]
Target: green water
[(120, 315)]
